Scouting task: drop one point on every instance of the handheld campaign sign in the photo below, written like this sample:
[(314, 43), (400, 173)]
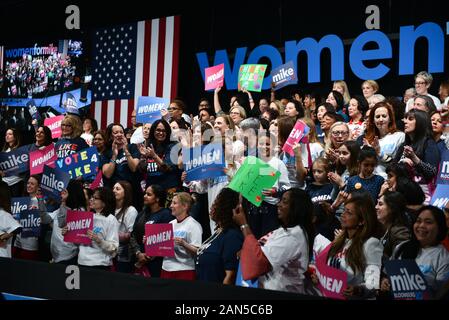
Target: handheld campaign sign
[(204, 162), (251, 77), (406, 280), (15, 162), (53, 182), (54, 124), (70, 104), (159, 240), (443, 173), (440, 196), (284, 75), (252, 177), (331, 281), (298, 132), (81, 164), (39, 158), (149, 109), (78, 223), (27, 215), (32, 109), (214, 77)]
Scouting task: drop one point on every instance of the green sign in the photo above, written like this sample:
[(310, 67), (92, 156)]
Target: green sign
[(251, 76), (253, 176)]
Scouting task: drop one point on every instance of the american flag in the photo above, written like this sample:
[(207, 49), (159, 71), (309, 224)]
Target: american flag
[(132, 60)]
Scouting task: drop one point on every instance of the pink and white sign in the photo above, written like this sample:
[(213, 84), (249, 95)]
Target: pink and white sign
[(39, 158), (54, 124), (159, 240), (214, 77), (298, 132), (331, 282), (78, 223)]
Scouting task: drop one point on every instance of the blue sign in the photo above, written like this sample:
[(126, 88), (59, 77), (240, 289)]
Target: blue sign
[(254, 283), (358, 55), (406, 279), (19, 204), (31, 223), (204, 162), (443, 173), (81, 164), (441, 196), (53, 181), (284, 75), (70, 104), (149, 109), (15, 162), (32, 108)]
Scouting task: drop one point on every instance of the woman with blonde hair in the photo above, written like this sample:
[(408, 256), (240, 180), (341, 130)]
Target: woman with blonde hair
[(70, 141), (342, 87), (338, 134), (369, 88)]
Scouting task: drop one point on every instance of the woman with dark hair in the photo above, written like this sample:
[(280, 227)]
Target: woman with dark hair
[(8, 225), (100, 141), (283, 259), (356, 250), (419, 151), (43, 138), (217, 257), (126, 215), (157, 162), (335, 98), (89, 127), (12, 142), (390, 210), (321, 110), (437, 131), (154, 211), (104, 235), (294, 109), (356, 110), (426, 249)]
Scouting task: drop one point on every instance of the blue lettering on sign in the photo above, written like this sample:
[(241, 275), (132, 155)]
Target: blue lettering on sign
[(408, 35)]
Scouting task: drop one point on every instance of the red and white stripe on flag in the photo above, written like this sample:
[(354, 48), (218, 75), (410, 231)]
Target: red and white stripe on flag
[(156, 70)]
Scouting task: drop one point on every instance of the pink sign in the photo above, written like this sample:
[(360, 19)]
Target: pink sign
[(98, 182), (331, 281), (39, 158), (159, 240), (54, 124), (78, 223), (214, 77), (298, 132)]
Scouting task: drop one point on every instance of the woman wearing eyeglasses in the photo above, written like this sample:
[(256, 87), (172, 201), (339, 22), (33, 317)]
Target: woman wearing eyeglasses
[(423, 81), (70, 141), (338, 134)]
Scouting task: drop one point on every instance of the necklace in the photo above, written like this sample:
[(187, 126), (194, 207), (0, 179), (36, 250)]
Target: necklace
[(206, 244)]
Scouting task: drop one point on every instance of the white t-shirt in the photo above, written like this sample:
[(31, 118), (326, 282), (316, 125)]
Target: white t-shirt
[(411, 101), (189, 230), (7, 225), (283, 183), (89, 138), (30, 243), (60, 250), (107, 229), (287, 252), (316, 149), (372, 250), (389, 145), (125, 225)]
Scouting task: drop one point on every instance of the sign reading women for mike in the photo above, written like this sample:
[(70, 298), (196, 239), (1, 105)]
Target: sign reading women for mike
[(53, 182), (252, 177), (149, 109), (204, 162), (27, 216), (251, 77), (406, 280), (81, 164), (39, 158), (159, 240), (14, 162), (54, 124), (214, 77), (78, 223), (298, 132)]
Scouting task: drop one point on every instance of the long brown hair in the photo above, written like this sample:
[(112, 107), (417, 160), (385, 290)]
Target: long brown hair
[(16, 136), (366, 214), (371, 129), (127, 200)]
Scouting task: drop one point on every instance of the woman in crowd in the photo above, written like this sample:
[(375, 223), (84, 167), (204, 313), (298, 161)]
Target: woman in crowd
[(426, 249), (8, 225), (104, 236), (277, 106), (187, 232), (338, 134), (15, 182), (423, 81), (126, 215), (335, 98), (89, 127), (342, 87), (99, 141), (70, 141), (346, 165), (217, 257), (369, 88), (437, 131), (154, 211), (314, 145), (42, 137), (419, 151), (356, 250), (381, 134), (321, 110), (357, 108), (237, 114), (294, 109), (390, 211), (283, 259)]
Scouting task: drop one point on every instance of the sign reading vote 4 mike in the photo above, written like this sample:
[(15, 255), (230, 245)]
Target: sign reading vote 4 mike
[(53, 182), (406, 280), (54, 124), (204, 162), (149, 109), (27, 215), (214, 77), (284, 75), (251, 76), (14, 162), (78, 223), (159, 240), (39, 158), (81, 164)]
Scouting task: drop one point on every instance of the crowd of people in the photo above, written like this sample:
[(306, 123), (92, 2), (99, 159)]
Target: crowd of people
[(355, 192)]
